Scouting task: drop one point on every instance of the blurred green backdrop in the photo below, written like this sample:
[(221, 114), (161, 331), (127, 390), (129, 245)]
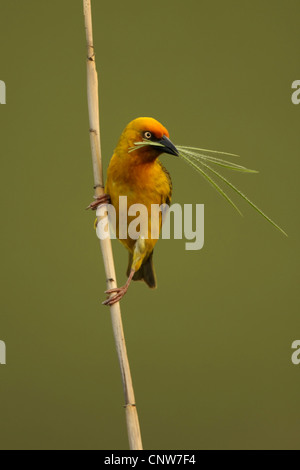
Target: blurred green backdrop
[(210, 349)]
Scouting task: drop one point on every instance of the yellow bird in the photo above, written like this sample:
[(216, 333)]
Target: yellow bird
[(141, 177)]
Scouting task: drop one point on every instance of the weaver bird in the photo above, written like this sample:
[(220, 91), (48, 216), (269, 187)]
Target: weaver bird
[(140, 176)]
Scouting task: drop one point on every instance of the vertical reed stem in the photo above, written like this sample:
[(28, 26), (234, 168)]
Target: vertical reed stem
[(133, 428)]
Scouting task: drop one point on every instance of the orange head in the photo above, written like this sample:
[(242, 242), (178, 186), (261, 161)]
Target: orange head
[(145, 129)]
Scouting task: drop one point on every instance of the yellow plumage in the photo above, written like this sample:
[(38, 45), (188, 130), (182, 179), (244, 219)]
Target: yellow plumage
[(140, 177)]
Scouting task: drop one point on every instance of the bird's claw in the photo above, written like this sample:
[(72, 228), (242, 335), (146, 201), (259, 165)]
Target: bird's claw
[(119, 293), (104, 199)]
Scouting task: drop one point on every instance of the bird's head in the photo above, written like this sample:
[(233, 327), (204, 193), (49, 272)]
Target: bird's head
[(145, 130)]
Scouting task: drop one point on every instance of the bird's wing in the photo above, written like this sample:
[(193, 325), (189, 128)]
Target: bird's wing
[(166, 198)]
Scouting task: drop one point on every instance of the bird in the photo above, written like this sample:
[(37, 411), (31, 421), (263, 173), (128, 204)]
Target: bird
[(136, 172)]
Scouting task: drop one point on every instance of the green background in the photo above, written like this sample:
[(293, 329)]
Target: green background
[(210, 349)]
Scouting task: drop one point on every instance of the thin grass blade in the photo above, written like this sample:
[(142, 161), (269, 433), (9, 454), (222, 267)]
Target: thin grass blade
[(144, 143), (218, 161), (211, 181), (207, 150), (244, 197)]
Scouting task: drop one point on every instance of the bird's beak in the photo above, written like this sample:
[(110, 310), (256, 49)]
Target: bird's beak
[(168, 147)]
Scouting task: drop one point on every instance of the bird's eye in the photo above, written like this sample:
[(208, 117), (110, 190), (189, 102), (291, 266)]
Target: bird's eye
[(147, 135)]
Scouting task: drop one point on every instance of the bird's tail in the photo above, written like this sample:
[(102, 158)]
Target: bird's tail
[(145, 273)]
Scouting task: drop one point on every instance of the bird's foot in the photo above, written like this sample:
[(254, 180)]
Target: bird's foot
[(104, 199), (118, 291)]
